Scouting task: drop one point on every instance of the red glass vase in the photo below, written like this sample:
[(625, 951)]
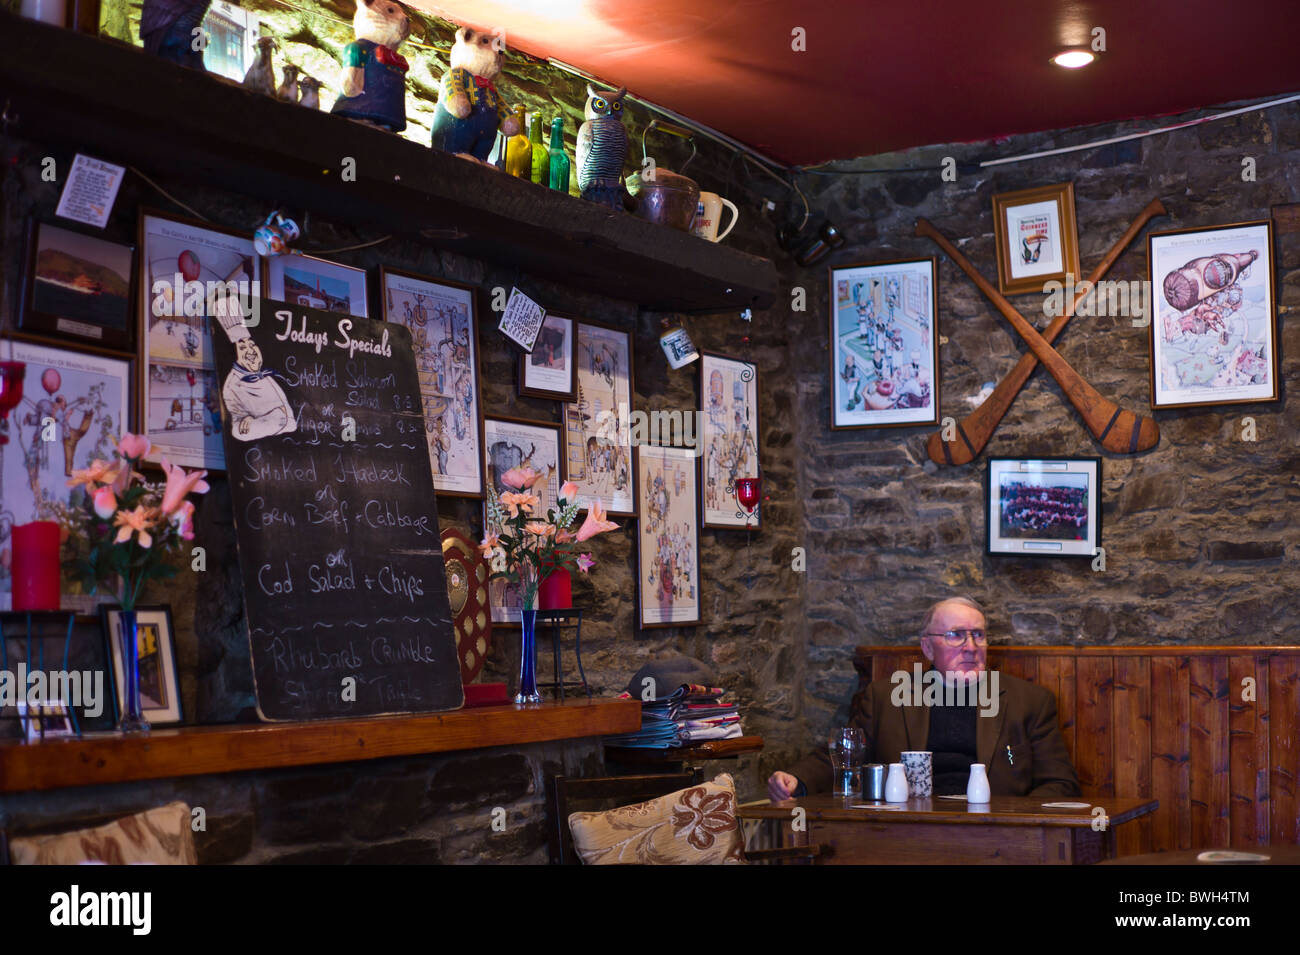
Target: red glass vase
[(35, 566), (556, 591)]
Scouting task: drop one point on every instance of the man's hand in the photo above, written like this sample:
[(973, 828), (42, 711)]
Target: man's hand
[(781, 786)]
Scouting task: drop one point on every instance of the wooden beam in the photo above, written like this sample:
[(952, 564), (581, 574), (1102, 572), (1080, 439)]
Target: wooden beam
[(193, 751)]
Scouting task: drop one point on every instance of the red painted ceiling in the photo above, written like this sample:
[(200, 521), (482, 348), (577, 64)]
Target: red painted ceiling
[(877, 77)]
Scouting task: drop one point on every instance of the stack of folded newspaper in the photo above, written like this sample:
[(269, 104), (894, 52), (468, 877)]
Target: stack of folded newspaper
[(690, 714)]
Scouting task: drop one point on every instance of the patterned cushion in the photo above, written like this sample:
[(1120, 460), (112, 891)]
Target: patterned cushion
[(161, 836), (695, 826)]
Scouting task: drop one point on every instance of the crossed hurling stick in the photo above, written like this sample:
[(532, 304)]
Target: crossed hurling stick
[(1100, 415)]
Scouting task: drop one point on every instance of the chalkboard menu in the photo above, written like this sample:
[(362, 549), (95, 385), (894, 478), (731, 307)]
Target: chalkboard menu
[(336, 525)]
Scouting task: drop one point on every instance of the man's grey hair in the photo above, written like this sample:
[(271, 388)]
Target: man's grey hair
[(963, 600)]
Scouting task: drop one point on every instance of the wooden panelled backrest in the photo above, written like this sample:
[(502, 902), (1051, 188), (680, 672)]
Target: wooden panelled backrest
[(1213, 733)]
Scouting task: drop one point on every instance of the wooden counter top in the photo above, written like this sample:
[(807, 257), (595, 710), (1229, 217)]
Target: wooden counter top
[(1000, 810), (191, 751)]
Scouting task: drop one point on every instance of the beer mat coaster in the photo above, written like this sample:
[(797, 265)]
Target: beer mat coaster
[(1067, 805), (870, 805), (962, 798), (1222, 856)]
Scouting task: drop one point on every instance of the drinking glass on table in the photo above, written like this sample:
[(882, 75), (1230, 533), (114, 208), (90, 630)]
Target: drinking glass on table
[(848, 748)]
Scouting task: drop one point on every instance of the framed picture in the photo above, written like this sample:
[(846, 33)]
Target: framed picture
[(443, 319), (884, 344), (1038, 240), (316, 283), (181, 264), (1044, 506), (597, 433), (548, 371), (86, 396), (727, 438), (1213, 329), (45, 721), (511, 443), (668, 538), (78, 285), (160, 696)]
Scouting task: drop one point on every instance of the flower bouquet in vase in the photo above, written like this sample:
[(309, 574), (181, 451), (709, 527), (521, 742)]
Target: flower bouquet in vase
[(531, 546), (133, 528)]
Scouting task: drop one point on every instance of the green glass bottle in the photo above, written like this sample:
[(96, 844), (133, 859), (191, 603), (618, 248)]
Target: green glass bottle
[(559, 161), (541, 171)]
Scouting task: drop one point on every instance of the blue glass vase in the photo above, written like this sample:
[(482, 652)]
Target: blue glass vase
[(528, 660), (132, 720)]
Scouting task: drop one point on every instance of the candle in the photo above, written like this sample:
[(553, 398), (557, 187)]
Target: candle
[(35, 566)]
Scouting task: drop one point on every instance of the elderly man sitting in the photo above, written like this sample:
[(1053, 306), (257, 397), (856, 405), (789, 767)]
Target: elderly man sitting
[(1013, 733)]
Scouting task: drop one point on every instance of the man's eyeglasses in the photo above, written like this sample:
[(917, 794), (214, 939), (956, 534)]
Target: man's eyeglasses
[(957, 638)]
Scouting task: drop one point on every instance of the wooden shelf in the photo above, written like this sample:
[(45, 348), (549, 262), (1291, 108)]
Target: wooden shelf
[(708, 749), (124, 106), (192, 751)]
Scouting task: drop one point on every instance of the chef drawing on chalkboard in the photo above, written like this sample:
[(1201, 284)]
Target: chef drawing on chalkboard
[(257, 406)]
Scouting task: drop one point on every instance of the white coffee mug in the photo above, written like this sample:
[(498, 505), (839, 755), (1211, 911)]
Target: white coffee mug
[(708, 212)]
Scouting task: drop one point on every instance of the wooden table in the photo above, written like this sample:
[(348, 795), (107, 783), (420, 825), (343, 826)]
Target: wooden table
[(1010, 829), (1278, 855)]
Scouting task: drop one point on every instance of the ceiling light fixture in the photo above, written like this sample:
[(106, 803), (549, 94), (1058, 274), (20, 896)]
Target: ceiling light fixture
[(1073, 59)]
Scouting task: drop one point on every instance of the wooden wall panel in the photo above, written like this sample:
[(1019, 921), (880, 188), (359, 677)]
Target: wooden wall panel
[(1170, 723)]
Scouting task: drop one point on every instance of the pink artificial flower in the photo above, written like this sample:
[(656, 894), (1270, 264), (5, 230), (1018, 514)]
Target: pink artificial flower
[(99, 472), (569, 492), (179, 485), (139, 521), (563, 536), (540, 528), (490, 545), (520, 478), (133, 445), (513, 503), (595, 523), (585, 563), (183, 519), (105, 502)]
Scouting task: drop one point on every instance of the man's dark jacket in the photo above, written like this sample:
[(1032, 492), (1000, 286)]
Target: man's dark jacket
[(1026, 721)]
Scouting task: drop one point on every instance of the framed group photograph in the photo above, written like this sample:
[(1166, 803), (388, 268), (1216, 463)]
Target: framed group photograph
[(1213, 331), (316, 283), (87, 395), (668, 538), (597, 433), (1044, 507), (548, 371), (78, 285), (1037, 237), (884, 350), (179, 400), (727, 439), (515, 443), (443, 319), (160, 688)]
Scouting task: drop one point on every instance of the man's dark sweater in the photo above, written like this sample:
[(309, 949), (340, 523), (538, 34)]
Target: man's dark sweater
[(952, 743)]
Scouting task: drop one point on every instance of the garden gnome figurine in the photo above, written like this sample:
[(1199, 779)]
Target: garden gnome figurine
[(374, 73), (288, 91), (261, 75), (309, 87), (173, 30), (470, 110)]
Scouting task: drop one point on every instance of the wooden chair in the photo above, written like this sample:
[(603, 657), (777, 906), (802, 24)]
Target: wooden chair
[(567, 794)]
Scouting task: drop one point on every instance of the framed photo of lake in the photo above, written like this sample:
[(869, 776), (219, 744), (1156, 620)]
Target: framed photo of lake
[(78, 284), (160, 686), (1213, 328), (316, 283), (515, 443), (443, 319), (668, 538), (597, 432), (727, 439), (1044, 507), (182, 263), (87, 396), (884, 349), (548, 370)]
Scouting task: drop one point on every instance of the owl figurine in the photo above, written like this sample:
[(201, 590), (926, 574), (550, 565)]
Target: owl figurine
[(602, 149)]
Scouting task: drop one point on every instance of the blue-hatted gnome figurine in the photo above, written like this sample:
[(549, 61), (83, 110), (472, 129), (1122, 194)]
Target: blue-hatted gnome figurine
[(374, 73), (470, 110), (602, 148), (173, 30)]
